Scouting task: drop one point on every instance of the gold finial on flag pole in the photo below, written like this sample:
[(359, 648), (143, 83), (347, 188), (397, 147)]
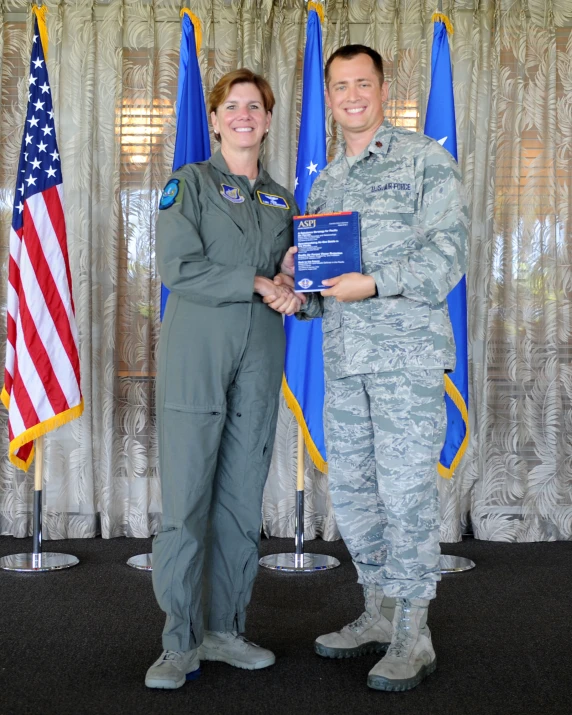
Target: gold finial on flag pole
[(197, 25), (319, 8), (40, 11)]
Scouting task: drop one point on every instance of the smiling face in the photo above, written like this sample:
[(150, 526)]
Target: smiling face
[(241, 120), (355, 94)]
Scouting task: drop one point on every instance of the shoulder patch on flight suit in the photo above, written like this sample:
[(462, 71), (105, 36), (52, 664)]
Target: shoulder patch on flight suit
[(278, 202), (232, 193), (170, 193)]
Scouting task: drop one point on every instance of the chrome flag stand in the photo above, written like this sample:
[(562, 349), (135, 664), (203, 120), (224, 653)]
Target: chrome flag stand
[(455, 564), (142, 562), (38, 560), (298, 561)]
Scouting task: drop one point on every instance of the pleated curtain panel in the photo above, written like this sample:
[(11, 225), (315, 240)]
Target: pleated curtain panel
[(113, 70)]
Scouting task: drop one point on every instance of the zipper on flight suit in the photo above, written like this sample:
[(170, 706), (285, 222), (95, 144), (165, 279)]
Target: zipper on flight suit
[(250, 193)]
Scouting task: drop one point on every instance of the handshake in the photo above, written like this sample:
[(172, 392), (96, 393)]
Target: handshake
[(278, 293)]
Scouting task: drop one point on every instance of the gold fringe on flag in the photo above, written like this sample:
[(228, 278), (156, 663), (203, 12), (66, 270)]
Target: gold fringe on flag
[(197, 25), (37, 431), (319, 8), (439, 17), (40, 12), (455, 395), (292, 403)]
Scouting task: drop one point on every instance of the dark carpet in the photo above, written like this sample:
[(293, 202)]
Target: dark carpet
[(78, 642)]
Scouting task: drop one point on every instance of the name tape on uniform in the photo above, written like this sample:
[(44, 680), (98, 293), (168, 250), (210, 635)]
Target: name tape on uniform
[(391, 186), (277, 202)]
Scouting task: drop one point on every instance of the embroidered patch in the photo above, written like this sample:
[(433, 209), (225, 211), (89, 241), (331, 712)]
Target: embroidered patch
[(232, 193), (170, 193), (271, 200)]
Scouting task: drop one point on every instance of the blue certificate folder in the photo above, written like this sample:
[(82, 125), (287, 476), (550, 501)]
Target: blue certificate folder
[(328, 245)]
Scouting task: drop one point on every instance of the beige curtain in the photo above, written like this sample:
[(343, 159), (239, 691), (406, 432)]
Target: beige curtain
[(113, 70)]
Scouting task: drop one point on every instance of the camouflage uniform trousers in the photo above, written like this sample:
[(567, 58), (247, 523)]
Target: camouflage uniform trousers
[(384, 434)]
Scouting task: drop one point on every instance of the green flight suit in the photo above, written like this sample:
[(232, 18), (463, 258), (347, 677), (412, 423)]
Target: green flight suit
[(220, 363)]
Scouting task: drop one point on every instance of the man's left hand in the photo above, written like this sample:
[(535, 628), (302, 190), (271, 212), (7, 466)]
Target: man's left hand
[(350, 287)]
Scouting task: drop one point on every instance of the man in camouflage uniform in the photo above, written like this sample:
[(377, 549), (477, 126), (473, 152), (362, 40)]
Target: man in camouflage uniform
[(387, 342)]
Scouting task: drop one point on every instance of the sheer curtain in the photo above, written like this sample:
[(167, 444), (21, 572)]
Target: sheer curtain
[(113, 69)]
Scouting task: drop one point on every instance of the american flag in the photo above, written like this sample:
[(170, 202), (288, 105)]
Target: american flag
[(41, 380)]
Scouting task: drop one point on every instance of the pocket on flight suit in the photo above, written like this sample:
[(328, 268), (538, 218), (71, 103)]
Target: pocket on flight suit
[(193, 434), (261, 449), (166, 549), (282, 239)]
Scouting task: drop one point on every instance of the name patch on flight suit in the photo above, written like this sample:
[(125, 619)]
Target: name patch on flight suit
[(270, 200), (232, 193), (170, 193)]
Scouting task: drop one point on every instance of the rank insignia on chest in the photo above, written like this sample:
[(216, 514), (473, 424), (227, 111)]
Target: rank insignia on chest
[(170, 193), (270, 200), (232, 193)]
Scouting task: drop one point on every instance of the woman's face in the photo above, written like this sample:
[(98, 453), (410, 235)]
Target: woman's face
[(241, 119)]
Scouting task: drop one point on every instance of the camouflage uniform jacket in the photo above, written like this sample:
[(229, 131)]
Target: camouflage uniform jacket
[(413, 218)]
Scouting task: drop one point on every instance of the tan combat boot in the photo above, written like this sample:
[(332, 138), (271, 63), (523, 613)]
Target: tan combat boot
[(410, 658), (370, 633)]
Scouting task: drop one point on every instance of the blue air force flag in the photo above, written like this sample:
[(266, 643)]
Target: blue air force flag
[(440, 125), (192, 138), (303, 383)]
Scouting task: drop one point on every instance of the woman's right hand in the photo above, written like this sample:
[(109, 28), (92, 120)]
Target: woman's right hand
[(278, 297)]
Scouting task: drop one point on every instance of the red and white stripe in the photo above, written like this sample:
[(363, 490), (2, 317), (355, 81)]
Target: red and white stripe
[(42, 379)]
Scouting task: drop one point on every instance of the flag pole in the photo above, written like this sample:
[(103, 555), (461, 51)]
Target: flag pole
[(38, 561), (42, 415), (448, 563), (299, 561), (38, 473), (304, 342), (299, 527)]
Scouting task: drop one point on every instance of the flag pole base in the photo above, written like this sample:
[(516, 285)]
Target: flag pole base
[(455, 564), (43, 561), (298, 563), (142, 562)]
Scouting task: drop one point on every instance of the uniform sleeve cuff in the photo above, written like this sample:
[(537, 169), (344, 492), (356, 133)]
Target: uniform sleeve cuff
[(244, 276)]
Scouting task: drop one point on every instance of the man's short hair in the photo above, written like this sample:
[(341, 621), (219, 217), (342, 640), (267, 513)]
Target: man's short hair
[(348, 52)]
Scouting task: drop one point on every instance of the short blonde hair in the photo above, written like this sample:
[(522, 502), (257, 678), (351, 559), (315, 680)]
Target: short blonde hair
[(222, 88)]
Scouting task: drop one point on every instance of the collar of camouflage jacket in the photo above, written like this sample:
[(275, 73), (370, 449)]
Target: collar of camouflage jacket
[(378, 145), (218, 161)]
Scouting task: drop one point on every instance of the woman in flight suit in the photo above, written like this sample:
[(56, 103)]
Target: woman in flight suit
[(224, 228)]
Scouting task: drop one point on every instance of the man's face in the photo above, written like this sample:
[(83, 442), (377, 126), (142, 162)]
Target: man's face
[(355, 95)]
